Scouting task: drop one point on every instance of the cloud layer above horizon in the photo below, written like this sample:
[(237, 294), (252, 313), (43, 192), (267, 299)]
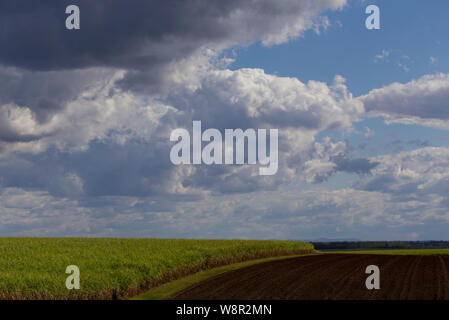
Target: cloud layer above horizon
[(85, 121)]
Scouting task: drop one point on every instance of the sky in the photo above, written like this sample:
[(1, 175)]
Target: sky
[(363, 118)]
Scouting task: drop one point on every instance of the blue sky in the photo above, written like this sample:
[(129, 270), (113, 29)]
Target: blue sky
[(413, 42), (415, 29), (363, 119)]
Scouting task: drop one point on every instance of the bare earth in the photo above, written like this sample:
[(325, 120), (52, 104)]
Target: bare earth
[(330, 276)]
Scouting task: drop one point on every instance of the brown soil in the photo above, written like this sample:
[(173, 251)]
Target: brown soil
[(330, 276)]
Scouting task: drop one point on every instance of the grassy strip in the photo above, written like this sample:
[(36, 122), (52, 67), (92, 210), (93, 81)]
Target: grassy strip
[(168, 290), (414, 252), (34, 268)]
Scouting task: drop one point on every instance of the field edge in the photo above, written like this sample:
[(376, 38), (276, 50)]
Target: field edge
[(204, 266), (169, 289)]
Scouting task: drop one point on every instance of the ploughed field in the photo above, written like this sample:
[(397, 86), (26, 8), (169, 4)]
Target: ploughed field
[(331, 276)]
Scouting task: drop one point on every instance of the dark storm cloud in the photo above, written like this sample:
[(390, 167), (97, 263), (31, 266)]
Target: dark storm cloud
[(358, 165), (139, 36), (135, 33), (44, 93), (113, 33), (134, 169)]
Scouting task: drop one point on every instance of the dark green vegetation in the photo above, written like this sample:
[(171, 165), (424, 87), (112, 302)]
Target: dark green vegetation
[(381, 245), (400, 252), (34, 268)]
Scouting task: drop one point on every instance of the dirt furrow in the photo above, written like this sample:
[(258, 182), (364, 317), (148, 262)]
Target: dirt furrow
[(330, 276)]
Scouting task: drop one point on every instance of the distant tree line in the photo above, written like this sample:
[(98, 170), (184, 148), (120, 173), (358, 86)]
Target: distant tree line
[(357, 245)]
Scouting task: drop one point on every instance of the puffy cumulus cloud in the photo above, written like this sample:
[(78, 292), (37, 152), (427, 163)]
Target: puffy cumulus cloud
[(105, 137), (35, 106), (420, 175), (110, 142), (86, 152), (423, 101), (252, 98), (98, 112), (50, 76), (148, 48), (16, 125), (179, 39), (249, 98)]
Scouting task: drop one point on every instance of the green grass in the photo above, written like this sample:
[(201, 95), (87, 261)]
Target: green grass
[(34, 268), (168, 290), (419, 252)]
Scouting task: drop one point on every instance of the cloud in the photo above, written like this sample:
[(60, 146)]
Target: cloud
[(148, 48), (251, 98), (423, 101), (359, 166), (113, 143), (144, 34), (98, 112), (368, 133), (280, 215), (401, 60), (46, 93), (85, 122), (417, 174), (382, 56)]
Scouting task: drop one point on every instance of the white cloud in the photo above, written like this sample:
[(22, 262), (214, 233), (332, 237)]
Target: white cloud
[(289, 214), (126, 122), (413, 174), (368, 132), (423, 101), (383, 55), (91, 157)]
